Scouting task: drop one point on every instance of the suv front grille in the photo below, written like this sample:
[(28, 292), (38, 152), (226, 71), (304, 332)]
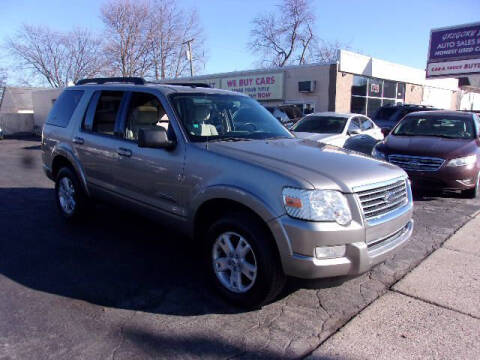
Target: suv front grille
[(416, 163), (380, 200)]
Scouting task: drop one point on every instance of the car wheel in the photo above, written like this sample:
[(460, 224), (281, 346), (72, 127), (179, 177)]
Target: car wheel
[(70, 197), (474, 192), (242, 262)]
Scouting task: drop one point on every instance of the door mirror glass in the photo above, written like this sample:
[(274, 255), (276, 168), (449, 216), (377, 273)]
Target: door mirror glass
[(154, 138)]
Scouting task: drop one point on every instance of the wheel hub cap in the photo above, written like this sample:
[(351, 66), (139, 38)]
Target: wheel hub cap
[(234, 262), (66, 195)]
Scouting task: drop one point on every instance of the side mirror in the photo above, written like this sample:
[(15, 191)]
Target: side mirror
[(385, 132), (155, 138), (354, 132)]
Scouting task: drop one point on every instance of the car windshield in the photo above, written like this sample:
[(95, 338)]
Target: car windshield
[(211, 117), (321, 124), (436, 125)]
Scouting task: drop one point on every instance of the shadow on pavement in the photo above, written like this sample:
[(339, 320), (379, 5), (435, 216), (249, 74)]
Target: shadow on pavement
[(115, 258)]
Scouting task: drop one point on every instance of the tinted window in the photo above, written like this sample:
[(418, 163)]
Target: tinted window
[(389, 89), (145, 112), (359, 86), (400, 91), (354, 124), (366, 124), (373, 106), (321, 124), (64, 107), (436, 125), (106, 112), (358, 105)]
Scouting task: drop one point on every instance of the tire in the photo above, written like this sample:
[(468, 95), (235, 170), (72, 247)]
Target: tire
[(474, 192), (268, 279), (71, 200)]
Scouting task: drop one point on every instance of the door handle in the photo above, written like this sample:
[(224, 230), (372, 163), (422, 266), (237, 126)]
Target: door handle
[(124, 152), (78, 140)]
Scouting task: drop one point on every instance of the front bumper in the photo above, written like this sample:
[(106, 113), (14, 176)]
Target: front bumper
[(367, 244), (446, 178)]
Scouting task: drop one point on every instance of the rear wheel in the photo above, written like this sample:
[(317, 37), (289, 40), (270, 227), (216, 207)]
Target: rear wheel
[(474, 192), (242, 262), (70, 197)]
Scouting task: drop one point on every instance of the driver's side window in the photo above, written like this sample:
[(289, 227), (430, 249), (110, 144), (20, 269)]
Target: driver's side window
[(354, 125), (145, 112)]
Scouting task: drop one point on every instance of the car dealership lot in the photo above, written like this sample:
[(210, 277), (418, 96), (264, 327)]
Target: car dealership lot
[(121, 286)]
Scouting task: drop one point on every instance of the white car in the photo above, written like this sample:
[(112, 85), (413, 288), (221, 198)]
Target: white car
[(336, 128)]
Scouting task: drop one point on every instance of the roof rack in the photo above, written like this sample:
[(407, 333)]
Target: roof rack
[(99, 81), (193, 85)]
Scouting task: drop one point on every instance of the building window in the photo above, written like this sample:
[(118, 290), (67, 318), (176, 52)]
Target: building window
[(369, 94)]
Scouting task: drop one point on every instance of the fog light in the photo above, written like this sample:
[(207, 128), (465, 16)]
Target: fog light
[(330, 252)]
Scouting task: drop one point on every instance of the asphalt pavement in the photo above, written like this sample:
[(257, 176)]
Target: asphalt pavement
[(120, 286)]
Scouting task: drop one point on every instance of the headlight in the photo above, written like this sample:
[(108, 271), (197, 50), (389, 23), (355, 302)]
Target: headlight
[(378, 154), (317, 205), (463, 161)]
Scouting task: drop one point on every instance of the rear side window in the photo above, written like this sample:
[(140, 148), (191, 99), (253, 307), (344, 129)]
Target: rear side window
[(64, 107), (106, 112)]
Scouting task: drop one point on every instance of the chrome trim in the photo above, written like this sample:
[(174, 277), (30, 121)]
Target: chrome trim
[(387, 245), (382, 218), (436, 164), (378, 184)]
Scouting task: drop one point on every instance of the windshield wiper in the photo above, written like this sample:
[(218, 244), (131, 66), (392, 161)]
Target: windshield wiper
[(229, 138)]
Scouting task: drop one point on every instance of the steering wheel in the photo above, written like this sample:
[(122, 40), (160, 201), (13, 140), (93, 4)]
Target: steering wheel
[(252, 125)]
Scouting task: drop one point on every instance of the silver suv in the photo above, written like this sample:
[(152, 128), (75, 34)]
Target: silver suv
[(218, 167)]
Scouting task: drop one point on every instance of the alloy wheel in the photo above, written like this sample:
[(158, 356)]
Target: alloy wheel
[(234, 262)]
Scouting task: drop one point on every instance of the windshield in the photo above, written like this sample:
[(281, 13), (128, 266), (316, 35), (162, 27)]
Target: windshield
[(226, 117), (436, 125), (321, 124)]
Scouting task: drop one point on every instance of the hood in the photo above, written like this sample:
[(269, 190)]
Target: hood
[(429, 146), (317, 137), (323, 166)]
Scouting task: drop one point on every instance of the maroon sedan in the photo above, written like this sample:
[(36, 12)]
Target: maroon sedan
[(438, 149)]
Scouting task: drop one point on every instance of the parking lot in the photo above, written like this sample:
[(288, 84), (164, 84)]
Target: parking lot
[(120, 286)]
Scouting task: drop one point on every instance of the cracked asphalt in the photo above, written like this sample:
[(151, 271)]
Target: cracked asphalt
[(122, 287)]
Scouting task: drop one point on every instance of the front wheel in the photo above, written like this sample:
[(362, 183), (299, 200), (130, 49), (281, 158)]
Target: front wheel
[(242, 261)]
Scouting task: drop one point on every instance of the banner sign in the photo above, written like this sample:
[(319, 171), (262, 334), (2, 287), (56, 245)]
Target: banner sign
[(267, 86), (451, 47)]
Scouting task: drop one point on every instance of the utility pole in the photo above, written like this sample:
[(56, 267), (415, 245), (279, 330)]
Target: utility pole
[(189, 54)]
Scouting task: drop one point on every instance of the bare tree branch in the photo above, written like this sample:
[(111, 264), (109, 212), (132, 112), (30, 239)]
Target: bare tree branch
[(58, 58)]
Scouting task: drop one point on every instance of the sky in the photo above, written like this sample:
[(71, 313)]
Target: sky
[(396, 31)]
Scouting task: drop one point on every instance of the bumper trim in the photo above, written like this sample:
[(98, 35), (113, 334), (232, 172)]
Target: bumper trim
[(359, 257)]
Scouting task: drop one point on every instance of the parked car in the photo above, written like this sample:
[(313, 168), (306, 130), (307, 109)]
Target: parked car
[(387, 116), (280, 115), (218, 167), (1, 134), (336, 128), (438, 150), (287, 114)]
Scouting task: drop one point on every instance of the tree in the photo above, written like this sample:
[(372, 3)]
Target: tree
[(288, 37), (172, 27), (282, 38), (128, 36), (57, 58), (147, 38)]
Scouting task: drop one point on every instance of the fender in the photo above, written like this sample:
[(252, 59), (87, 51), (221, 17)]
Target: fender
[(62, 150), (228, 192)]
